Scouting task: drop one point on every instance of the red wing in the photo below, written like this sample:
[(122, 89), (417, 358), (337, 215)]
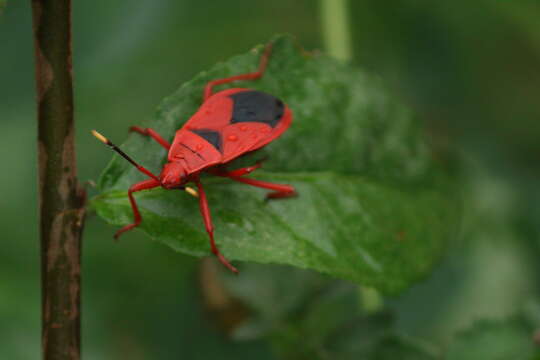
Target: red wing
[(243, 137), (236, 121)]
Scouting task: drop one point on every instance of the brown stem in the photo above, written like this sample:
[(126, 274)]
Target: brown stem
[(61, 199), (227, 312)]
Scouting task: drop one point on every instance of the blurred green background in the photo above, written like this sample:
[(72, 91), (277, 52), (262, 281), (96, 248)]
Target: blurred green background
[(471, 70)]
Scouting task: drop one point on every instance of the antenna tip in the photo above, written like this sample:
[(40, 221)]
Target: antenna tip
[(100, 137)]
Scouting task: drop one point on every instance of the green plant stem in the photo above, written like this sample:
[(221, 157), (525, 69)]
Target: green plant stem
[(61, 199), (336, 28), (337, 41)]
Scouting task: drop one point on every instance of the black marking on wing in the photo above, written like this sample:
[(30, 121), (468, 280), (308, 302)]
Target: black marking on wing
[(256, 106), (213, 137)]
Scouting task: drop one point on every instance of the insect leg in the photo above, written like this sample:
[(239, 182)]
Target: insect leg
[(240, 172), (153, 134), (205, 212), (280, 190), (143, 185), (221, 171), (243, 171), (251, 76)]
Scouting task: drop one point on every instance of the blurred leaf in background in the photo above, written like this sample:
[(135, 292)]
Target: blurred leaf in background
[(472, 70), (487, 340), (309, 316)]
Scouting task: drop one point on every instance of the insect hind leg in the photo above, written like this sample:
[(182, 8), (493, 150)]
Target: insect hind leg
[(280, 191), (251, 76)]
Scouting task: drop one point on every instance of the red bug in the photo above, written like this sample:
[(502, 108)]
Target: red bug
[(229, 123)]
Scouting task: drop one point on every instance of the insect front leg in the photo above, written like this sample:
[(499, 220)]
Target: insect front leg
[(205, 212), (153, 134), (143, 185)]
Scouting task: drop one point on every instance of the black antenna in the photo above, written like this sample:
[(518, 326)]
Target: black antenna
[(142, 169), (107, 142)]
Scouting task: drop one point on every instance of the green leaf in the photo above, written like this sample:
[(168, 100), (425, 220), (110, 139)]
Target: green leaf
[(309, 316), (495, 340), (375, 205)]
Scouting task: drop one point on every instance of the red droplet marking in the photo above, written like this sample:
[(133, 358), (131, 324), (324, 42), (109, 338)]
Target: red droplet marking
[(232, 137), (199, 147), (243, 127), (265, 130)]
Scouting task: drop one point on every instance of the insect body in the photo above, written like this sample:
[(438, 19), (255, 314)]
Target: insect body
[(229, 124)]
